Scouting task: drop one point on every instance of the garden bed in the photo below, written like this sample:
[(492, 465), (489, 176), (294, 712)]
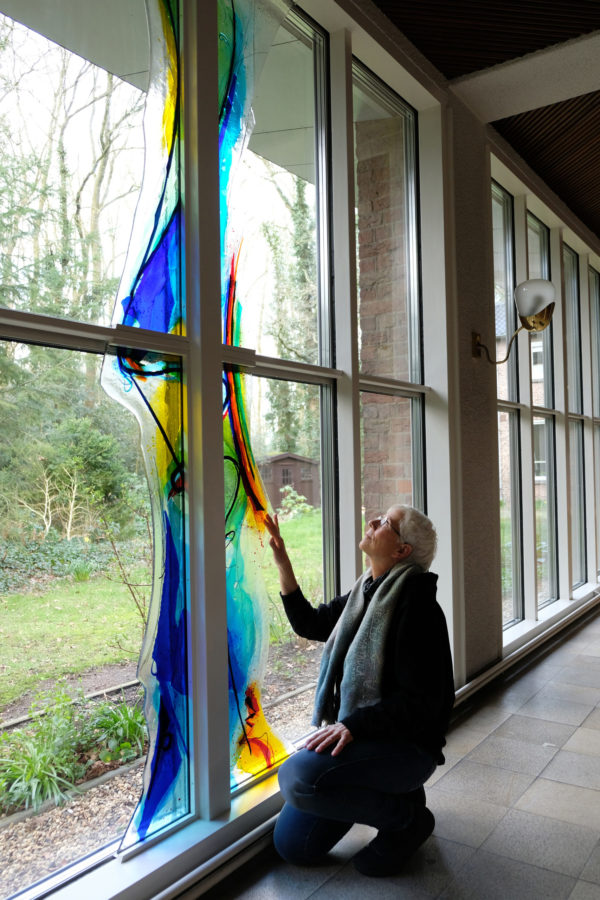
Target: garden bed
[(35, 845)]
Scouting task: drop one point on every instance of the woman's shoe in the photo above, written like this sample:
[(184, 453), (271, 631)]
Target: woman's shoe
[(389, 850)]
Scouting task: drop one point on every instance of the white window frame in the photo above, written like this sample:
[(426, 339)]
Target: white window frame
[(570, 602)]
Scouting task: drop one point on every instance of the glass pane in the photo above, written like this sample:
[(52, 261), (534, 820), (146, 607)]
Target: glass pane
[(504, 285), (595, 308), (510, 522), (272, 461), (385, 160), (269, 191), (573, 323), (75, 586), (540, 343), (392, 463), (545, 511), (577, 485), (72, 155)]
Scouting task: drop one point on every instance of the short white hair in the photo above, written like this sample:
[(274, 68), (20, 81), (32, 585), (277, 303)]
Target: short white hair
[(418, 531)]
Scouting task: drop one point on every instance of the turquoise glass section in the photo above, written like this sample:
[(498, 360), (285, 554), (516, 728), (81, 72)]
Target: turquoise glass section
[(246, 30)]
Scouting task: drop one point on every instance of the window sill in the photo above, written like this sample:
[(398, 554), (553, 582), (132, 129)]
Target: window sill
[(550, 619), (188, 854)]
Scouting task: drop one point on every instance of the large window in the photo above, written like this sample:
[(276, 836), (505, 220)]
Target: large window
[(508, 415), (94, 562), (275, 302), (388, 300), (384, 160), (542, 397), (594, 286), (504, 285), (538, 258), (576, 425), (573, 330), (510, 517), (150, 428), (577, 500), (545, 510)]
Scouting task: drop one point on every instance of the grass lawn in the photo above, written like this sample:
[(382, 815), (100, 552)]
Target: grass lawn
[(73, 626), (68, 628), (304, 541)]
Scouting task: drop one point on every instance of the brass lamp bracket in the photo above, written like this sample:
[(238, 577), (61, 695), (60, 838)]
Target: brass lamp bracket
[(477, 347)]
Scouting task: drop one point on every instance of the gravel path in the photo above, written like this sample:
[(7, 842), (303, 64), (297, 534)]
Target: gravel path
[(42, 844)]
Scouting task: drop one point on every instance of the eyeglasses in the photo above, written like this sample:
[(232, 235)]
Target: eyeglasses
[(383, 520)]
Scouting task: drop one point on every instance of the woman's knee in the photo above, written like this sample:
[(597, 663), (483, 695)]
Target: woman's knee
[(298, 775), (303, 839)]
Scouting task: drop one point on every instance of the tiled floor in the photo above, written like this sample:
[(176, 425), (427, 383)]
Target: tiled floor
[(517, 804)]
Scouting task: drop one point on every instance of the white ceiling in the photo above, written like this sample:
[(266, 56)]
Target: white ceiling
[(113, 34), (538, 79)]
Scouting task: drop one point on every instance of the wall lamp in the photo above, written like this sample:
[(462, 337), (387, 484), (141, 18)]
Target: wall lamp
[(534, 300)]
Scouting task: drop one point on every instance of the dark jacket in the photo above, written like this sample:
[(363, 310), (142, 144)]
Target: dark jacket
[(417, 690)]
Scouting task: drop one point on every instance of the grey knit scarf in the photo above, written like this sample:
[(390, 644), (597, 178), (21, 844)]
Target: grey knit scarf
[(355, 647)]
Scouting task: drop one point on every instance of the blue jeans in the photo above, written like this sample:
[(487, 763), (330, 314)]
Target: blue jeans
[(375, 783)]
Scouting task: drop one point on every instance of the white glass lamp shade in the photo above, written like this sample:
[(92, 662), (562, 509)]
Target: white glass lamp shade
[(534, 300)]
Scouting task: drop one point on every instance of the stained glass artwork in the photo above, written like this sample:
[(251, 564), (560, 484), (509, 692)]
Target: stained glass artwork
[(246, 30), (150, 386)]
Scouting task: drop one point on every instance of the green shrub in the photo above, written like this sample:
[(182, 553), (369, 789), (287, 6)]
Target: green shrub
[(20, 560), (42, 762), (31, 772), (119, 730), (46, 760)]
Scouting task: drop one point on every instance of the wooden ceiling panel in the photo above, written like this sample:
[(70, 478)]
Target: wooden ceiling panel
[(560, 142), (464, 36)]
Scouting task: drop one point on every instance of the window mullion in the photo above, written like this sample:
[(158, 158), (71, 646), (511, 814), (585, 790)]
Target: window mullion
[(210, 726), (345, 301)]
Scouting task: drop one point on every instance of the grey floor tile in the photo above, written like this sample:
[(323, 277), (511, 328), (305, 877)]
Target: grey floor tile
[(591, 871), (593, 720), (498, 878), (428, 872), (471, 779), (566, 802), (518, 756), (583, 890), (578, 693), (461, 739), (556, 709), (536, 731), (268, 878), (584, 740), (349, 884), (582, 674), (586, 659), (463, 819), (549, 843), (487, 718), (575, 768)]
